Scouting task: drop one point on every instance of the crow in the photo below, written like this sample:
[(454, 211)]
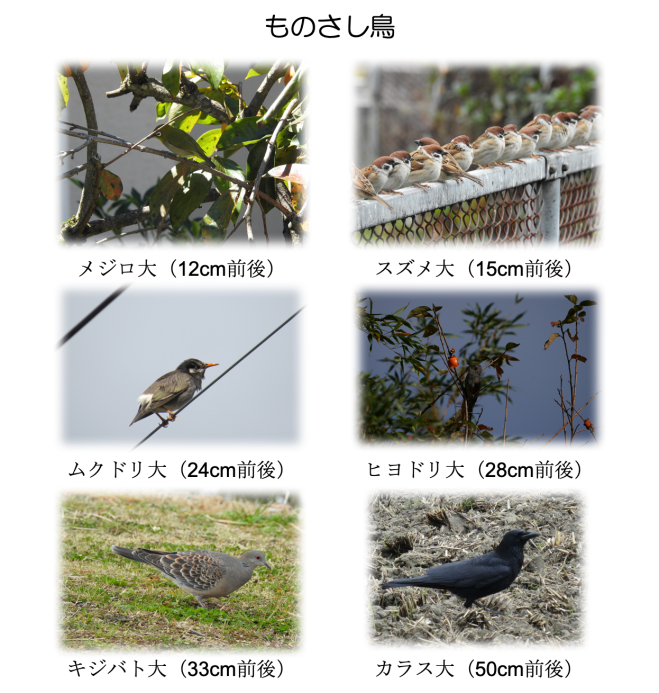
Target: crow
[(476, 577)]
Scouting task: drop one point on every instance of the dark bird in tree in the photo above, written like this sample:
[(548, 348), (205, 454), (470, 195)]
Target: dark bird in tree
[(476, 577), (472, 387)]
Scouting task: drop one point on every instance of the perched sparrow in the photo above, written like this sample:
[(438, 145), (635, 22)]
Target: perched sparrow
[(450, 167), (599, 109), (489, 147), (583, 130), (461, 150), (597, 130), (399, 175), (426, 165), (529, 135), (559, 131), (378, 172), (543, 122), (451, 170), (571, 127), (513, 142), (364, 188)]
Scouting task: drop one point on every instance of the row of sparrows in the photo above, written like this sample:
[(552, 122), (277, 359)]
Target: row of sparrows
[(496, 146)]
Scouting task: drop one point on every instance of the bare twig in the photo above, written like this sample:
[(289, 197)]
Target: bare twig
[(505, 420), (263, 91)]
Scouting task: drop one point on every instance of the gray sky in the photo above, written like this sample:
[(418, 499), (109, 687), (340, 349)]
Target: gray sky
[(143, 335), (534, 379)]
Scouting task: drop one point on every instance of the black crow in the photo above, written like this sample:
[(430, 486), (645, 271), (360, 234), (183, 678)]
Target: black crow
[(476, 577)]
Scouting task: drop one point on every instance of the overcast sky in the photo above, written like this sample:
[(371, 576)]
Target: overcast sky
[(152, 327)]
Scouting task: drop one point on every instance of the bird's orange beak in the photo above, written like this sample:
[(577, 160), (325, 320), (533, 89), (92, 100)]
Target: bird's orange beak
[(208, 365)]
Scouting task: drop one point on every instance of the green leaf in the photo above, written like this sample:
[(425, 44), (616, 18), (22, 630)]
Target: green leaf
[(588, 303), (208, 141), (245, 131), (189, 196), (213, 71), (163, 193), (419, 312), (171, 76), (63, 94), (188, 122), (571, 297), (511, 345), (161, 110), (260, 69), (430, 330), (237, 193)]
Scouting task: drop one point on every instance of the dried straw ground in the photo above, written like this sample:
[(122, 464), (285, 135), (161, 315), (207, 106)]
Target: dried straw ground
[(406, 530)]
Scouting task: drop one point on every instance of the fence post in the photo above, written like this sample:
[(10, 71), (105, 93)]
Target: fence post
[(550, 216)]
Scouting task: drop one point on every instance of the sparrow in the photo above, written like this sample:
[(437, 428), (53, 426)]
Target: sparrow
[(364, 188), (378, 172), (426, 165), (461, 150), (597, 130), (530, 136), (559, 131), (543, 122), (425, 141), (572, 127), (584, 128), (451, 169), (489, 147), (599, 109), (399, 175), (513, 142)]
